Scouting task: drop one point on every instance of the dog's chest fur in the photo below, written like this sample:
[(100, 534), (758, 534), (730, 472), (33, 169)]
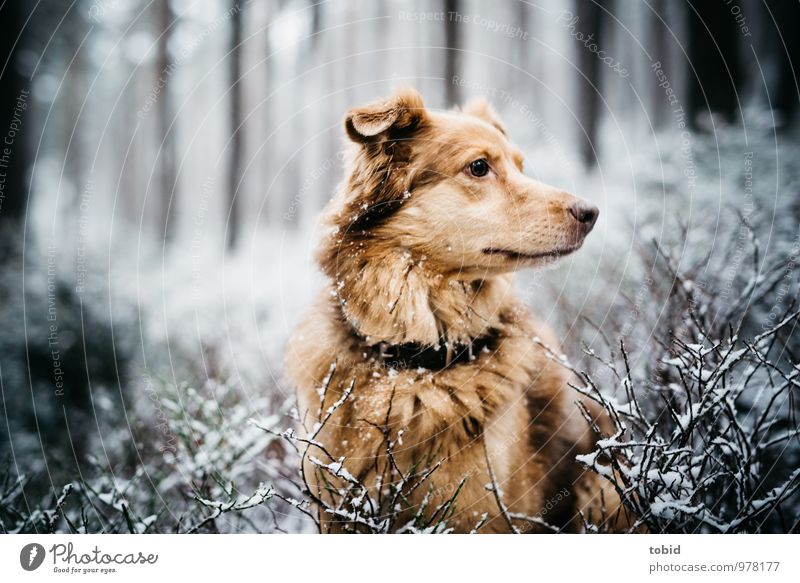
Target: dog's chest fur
[(501, 412)]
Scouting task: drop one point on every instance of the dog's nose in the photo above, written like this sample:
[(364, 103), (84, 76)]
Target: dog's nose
[(584, 213)]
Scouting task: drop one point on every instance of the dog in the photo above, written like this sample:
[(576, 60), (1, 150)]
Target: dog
[(426, 390)]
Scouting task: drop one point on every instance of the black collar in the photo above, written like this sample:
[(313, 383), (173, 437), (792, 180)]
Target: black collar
[(413, 355)]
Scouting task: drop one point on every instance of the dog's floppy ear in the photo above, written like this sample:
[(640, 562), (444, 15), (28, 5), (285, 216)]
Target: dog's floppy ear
[(482, 109), (371, 123)]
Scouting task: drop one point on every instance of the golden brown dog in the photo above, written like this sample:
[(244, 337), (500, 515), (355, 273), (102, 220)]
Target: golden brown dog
[(425, 393)]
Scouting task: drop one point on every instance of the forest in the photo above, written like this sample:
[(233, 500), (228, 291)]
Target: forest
[(163, 165)]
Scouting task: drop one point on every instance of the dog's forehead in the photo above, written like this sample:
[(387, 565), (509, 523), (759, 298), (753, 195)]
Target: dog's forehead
[(462, 129), (457, 122)]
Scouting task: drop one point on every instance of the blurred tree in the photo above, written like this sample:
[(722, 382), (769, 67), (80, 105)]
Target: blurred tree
[(659, 47), (786, 56), (521, 54), (269, 10), (167, 191), (236, 162), (13, 93), (714, 56), (590, 15), (73, 102), (452, 40), (316, 23)]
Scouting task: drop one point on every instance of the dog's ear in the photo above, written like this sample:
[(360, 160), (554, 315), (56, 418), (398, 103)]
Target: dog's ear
[(405, 110), (482, 109)]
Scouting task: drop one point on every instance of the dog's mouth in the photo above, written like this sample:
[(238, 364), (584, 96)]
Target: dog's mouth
[(519, 256)]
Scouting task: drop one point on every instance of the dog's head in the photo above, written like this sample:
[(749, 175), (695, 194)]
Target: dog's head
[(437, 197), (450, 186)]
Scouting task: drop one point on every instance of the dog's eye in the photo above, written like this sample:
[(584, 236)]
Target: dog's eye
[(479, 167)]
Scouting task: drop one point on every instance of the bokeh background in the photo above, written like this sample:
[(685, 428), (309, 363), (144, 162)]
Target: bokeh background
[(163, 165)]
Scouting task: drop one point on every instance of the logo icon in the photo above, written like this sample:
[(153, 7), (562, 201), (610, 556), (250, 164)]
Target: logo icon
[(31, 556)]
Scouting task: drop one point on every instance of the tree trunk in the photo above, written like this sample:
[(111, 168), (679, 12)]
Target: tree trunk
[(659, 49), (74, 99), (714, 54), (590, 19), (15, 104), (787, 55), (167, 185), (235, 165), (451, 55)]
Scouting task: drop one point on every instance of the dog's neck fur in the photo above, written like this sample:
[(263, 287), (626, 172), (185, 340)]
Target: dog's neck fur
[(389, 295)]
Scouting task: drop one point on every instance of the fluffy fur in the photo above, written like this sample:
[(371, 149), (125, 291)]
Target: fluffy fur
[(421, 250)]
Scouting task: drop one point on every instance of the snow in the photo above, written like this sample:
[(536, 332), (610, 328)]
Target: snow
[(590, 460), (336, 468)]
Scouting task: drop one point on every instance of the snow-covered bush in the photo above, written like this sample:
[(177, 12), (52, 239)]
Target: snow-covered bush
[(707, 436), (203, 467)]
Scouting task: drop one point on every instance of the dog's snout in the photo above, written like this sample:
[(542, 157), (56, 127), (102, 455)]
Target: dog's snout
[(584, 213)]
